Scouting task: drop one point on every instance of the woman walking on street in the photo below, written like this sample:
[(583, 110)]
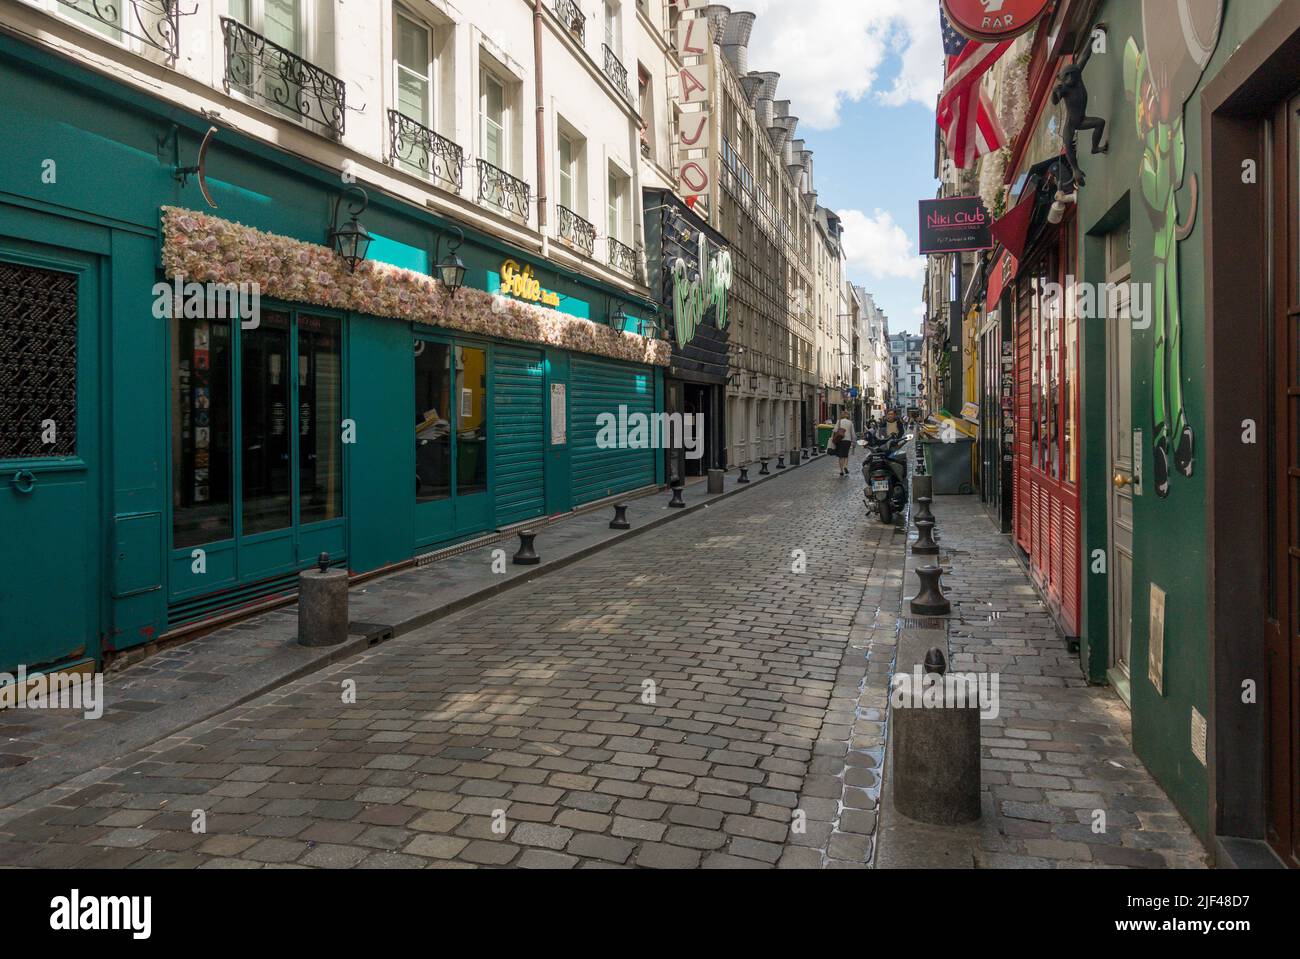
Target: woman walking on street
[(842, 441)]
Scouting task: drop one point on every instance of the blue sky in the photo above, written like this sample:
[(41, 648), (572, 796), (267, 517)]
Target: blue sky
[(863, 76)]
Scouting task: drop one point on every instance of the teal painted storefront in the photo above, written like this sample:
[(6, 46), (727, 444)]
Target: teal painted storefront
[(122, 537)]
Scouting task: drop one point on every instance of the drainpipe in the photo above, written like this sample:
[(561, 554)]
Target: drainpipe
[(540, 93)]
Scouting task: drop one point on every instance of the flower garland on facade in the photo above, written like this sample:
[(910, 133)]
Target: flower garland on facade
[(1013, 109), (208, 249)]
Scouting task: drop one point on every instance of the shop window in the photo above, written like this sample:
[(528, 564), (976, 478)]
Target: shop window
[(471, 421), (432, 421), (264, 422), (38, 362), (320, 410), (202, 448), (286, 427)]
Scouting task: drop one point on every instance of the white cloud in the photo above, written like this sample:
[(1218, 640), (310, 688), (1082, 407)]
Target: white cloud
[(878, 248), (832, 51)]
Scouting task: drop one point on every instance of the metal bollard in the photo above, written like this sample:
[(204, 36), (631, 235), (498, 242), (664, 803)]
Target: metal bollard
[(925, 544), (677, 502), (780, 461), (764, 471), (930, 601), (322, 605), (744, 475), (527, 555), (924, 512), (620, 517)]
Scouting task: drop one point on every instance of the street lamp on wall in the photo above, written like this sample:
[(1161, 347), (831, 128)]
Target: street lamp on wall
[(350, 241), (451, 269)]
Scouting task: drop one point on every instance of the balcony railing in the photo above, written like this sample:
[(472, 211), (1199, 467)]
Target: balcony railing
[(622, 258), (499, 189), (155, 23), (432, 154), (567, 12), (615, 70), (577, 231), (265, 71)]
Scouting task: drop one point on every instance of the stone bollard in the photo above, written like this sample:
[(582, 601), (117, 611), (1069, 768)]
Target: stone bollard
[(794, 458), (744, 475), (924, 512), (936, 747), (677, 502), (527, 555), (925, 544), (780, 461), (764, 471), (930, 601), (620, 517), (716, 480), (322, 605)]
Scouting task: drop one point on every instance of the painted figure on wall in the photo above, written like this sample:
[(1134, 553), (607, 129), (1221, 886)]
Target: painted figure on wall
[(1180, 37)]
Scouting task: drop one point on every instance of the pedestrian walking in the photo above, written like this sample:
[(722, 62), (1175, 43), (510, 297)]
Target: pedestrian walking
[(842, 441)]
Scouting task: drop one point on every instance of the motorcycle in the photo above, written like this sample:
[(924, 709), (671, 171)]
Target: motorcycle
[(884, 474)]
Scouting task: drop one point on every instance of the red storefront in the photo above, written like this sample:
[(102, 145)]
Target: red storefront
[(1046, 518)]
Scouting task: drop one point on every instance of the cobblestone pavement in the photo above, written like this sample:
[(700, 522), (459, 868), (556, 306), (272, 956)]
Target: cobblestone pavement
[(1060, 750), (682, 699)]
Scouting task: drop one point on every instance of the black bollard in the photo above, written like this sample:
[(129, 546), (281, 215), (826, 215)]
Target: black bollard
[(924, 512), (936, 661), (925, 544), (744, 475), (930, 601), (764, 471), (527, 555), (620, 517), (780, 461), (677, 502)]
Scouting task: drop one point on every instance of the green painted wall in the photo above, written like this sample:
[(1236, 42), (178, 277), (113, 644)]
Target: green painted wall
[(1170, 534)]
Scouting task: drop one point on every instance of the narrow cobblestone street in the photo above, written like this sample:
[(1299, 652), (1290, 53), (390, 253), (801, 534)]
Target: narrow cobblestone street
[(517, 732)]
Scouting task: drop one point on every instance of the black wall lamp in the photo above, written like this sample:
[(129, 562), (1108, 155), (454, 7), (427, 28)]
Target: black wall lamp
[(350, 241), (451, 268)]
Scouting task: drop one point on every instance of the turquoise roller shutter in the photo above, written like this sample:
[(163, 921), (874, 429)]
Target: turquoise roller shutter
[(518, 387), (602, 386)]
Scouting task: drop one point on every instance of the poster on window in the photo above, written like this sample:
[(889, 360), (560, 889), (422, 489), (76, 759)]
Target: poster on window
[(559, 415)]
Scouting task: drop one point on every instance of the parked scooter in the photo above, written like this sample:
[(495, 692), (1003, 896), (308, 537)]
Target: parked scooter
[(885, 476)]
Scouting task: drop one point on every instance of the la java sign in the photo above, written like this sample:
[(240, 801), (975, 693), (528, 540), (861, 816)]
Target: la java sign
[(994, 20)]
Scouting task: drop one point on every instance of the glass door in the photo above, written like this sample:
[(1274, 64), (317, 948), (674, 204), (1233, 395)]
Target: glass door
[(451, 441)]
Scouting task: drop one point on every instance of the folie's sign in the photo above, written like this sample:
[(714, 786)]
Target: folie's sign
[(994, 20), (519, 282)]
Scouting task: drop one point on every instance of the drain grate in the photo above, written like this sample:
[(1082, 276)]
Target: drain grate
[(921, 622)]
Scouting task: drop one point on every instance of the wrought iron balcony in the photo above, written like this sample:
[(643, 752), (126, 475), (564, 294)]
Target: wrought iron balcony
[(567, 12), (499, 189), (432, 154), (615, 70), (622, 258), (155, 23), (265, 71), (577, 231)]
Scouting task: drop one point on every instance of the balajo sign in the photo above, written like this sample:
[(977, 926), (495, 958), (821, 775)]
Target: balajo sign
[(993, 20), (692, 298), (958, 224)]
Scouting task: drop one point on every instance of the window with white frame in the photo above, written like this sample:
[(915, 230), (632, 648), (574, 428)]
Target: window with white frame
[(617, 201), (413, 68), (566, 163), (613, 27), (494, 113), (148, 27), (283, 22)]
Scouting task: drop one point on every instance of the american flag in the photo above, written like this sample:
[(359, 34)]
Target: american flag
[(969, 123)]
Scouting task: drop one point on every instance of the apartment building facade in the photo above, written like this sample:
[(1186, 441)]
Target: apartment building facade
[(311, 278)]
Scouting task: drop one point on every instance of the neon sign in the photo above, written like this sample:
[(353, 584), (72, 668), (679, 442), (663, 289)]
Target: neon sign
[(693, 298)]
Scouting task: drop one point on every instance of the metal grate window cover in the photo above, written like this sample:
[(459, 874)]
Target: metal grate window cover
[(38, 362)]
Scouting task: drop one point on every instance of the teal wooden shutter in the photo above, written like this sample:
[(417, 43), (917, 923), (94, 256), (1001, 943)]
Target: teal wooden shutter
[(601, 386), (518, 385)]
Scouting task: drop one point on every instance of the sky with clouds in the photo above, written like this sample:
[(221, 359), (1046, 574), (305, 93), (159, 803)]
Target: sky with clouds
[(863, 77)]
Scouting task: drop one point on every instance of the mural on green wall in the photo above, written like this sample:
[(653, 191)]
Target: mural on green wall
[(1180, 37)]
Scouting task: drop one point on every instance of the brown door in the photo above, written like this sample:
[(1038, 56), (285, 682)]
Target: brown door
[(1282, 626)]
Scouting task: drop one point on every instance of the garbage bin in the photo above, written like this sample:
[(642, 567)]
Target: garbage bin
[(950, 465), (824, 433)]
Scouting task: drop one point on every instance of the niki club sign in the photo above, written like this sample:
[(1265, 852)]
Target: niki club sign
[(958, 224), (994, 20)]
